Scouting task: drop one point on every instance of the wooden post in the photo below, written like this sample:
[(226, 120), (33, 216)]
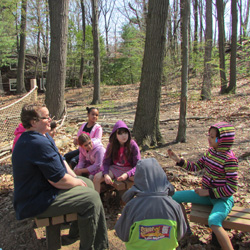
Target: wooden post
[(33, 84), (53, 237)]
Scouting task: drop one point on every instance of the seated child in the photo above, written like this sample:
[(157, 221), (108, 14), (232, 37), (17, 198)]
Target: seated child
[(18, 131), (120, 158), (151, 219), (219, 181), (92, 127), (90, 156)]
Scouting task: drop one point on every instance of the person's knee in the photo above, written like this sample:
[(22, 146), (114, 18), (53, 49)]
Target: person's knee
[(216, 219), (98, 177)]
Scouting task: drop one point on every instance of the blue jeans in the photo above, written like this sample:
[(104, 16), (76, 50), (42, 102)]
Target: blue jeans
[(221, 207)]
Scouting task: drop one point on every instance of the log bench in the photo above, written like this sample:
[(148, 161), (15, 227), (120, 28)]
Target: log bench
[(123, 185), (53, 228), (238, 218)]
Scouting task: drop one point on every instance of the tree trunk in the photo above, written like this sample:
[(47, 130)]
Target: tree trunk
[(97, 64), (21, 52), (146, 127), (195, 2), (56, 77), (83, 44), (1, 84), (220, 15), (207, 81), (232, 84), (201, 21), (185, 13), (246, 19)]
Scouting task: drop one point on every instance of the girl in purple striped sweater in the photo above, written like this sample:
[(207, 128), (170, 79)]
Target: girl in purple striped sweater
[(219, 182)]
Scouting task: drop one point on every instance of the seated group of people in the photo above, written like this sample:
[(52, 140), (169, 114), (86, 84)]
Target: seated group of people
[(47, 184)]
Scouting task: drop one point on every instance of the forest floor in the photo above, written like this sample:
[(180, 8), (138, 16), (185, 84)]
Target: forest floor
[(119, 102)]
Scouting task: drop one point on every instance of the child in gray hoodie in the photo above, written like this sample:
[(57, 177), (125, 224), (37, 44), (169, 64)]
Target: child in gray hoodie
[(151, 219)]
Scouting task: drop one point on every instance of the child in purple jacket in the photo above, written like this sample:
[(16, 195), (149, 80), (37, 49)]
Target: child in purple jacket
[(90, 156), (121, 157)]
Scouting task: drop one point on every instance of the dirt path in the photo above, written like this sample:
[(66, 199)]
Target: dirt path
[(119, 102)]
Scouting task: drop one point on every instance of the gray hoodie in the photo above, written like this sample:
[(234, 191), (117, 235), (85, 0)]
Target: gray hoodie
[(151, 218)]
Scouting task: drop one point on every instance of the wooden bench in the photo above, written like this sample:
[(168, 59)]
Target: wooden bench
[(53, 228), (238, 218), (123, 185)]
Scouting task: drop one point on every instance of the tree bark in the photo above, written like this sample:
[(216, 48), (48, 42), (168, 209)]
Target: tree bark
[(21, 52), (220, 16), (207, 81), (185, 13), (97, 64), (246, 19), (56, 77), (232, 84), (146, 127), (83, 44)]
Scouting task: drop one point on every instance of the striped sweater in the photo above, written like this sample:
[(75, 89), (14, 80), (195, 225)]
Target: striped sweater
[(221, 165)]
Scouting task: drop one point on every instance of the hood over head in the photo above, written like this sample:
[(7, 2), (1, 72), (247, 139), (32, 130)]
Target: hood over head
[(119, 124), (149, 179), (20, 129), (227, 135)]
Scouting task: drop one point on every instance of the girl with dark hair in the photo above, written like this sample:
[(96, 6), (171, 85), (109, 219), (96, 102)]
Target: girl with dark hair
[(92, 127), (120, 158)]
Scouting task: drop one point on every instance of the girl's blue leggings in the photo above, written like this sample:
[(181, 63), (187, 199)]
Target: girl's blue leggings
[(221, 207)]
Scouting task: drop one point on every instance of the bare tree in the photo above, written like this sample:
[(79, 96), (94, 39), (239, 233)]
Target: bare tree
[(185, 13), (107, 8), (207, 81), (232, 84), (97, 64), (200, 5), (56, 76), (146, 126), (83, 42), (220, 16), (21, 52), (245, 22)]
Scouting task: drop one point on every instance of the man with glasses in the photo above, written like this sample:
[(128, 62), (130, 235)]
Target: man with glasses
[(45, 186)]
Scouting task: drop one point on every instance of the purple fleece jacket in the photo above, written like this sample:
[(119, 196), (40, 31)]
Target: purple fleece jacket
[(135, 154)]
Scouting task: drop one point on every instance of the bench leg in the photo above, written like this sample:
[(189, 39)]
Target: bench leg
[(53, 237)]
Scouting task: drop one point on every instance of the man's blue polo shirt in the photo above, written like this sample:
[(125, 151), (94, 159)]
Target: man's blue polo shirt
[(35, 160)]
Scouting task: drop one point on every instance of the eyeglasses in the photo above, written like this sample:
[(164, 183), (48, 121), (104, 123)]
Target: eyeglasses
[(46, 118)]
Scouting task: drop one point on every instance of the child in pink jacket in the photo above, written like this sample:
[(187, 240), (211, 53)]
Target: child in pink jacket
[(91, 153)]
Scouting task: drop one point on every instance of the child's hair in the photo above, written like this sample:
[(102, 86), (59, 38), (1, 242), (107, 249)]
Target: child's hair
[(84, 137), (53, 125), (90, 109), (115, 145)]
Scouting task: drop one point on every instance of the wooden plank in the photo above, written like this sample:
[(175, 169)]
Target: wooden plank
[(70, 217), (238, 218), (129, 184), (42, 222), (119, 185), (57, 220)]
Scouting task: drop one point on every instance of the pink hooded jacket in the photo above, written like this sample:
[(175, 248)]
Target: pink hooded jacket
[(96, 131), (19, 130), (92, 160)]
